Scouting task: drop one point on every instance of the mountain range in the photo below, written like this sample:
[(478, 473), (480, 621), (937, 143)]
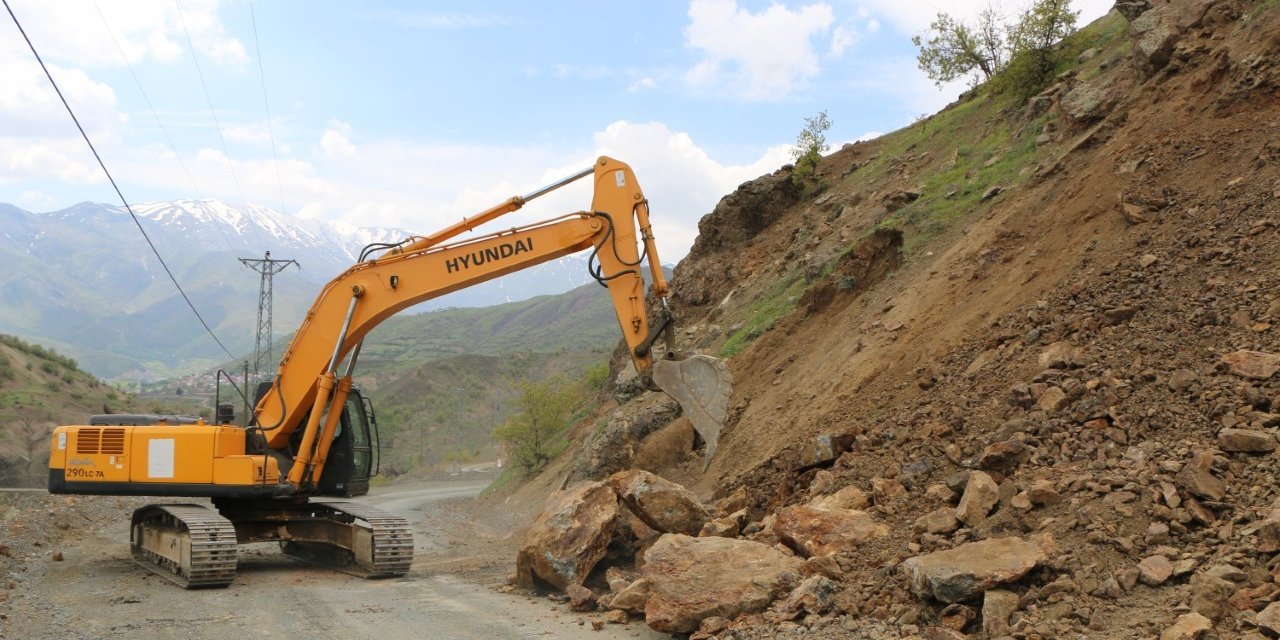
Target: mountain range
[(82, 280)]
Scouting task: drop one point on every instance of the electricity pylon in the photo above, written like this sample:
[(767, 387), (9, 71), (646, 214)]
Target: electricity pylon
[(267, 268)]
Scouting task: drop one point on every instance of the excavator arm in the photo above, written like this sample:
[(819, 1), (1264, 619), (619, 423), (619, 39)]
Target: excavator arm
[(423, 268)]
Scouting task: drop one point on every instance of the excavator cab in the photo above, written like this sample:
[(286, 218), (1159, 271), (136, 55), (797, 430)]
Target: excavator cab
[(354, 454)]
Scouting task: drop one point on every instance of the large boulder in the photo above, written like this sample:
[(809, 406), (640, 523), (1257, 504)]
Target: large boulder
[(691, 579), (613, 448), (966, 571), (567, 540), (821, 532), (663, 505), (1093, 99), (1157, 31)]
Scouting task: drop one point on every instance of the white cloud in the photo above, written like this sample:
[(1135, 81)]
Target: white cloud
[(29, 107), (445, 20), (681, 181), (760, 55), (642, 84), (67, 160), (334, 142), (33, 200), (72, 31)]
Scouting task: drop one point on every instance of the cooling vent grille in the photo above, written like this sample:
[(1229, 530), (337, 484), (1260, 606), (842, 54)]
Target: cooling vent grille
[(87, 440), (109, 441)]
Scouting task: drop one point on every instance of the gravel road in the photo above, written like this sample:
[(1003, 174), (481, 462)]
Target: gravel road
[(98, 592)]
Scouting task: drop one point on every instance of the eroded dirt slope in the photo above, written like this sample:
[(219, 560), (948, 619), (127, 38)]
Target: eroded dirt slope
[(1084, 281)]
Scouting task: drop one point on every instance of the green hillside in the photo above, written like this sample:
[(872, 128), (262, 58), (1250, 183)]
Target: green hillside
[(441, 381), (40, 389)]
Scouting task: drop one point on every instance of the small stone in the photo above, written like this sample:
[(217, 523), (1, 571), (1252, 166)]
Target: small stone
[(956, 616), (1154, 570), (631, 598), (580, 598), (720, 527), (1269, 532), (980, 495), (617, 616), (849, 497), (938, 521), (820, 532), (1052, 400), (1246, 440), (885, 490), (1157, 533), (1021, 501), (1209, 595), (1147, 260), (1128, 578), (1004, 455), (1197, 477), (1255, 365), (1120, 315), (1188, 626), (1042, 492), (940, 493), (815, 595), (1269, 618), (997, 606), (960, 573), (711, 626), (597, 625), (57, 556), (1182, 379)]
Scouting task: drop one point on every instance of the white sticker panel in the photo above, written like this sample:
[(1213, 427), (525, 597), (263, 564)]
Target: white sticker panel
[(62, 441), (620, 177), (160, 458)]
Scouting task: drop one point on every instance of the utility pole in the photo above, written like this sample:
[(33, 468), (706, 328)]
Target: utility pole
[(267, 268)]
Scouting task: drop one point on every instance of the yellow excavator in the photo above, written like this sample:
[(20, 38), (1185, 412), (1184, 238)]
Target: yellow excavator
[(312, 434)]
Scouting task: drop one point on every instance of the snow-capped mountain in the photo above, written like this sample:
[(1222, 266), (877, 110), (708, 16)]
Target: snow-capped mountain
[(83, 280)]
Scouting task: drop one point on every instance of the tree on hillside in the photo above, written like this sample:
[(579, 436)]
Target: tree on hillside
[(810, 145), (1021, 57), (1035, 44), (542, 410), (953, 49)]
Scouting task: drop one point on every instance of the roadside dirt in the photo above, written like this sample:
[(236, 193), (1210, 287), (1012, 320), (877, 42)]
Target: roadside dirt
[(96, 591)]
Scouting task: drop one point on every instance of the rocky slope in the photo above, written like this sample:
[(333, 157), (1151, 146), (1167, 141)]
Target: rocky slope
[(1046, 409)]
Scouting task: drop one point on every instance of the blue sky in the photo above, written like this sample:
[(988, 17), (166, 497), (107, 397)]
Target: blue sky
[(415, 114)]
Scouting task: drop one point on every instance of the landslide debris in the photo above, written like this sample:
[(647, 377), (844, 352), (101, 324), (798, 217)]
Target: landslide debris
[(1046, 404)]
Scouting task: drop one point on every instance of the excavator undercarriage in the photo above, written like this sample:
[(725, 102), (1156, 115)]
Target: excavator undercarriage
[(195, 546)]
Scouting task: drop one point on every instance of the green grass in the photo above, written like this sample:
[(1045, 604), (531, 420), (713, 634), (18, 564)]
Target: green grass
[(774, 303), (953, 192)]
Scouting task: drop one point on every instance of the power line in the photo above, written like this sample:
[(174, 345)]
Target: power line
[(172, 147), (209, 100), (112, 180), (262, 76)]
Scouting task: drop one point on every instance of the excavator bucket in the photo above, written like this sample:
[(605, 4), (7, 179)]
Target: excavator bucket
[(702, 385)]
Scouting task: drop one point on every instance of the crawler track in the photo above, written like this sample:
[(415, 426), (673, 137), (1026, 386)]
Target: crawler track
[(191, 545), (384, 542)]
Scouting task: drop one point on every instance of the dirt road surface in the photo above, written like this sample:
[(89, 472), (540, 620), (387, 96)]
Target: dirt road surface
[(98, 592)]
